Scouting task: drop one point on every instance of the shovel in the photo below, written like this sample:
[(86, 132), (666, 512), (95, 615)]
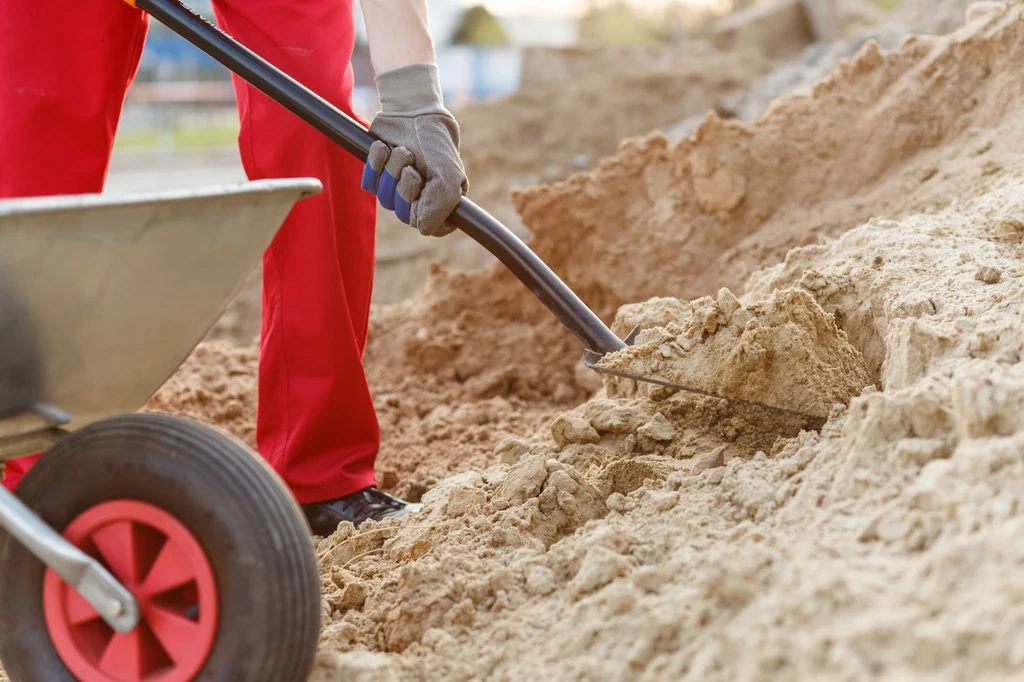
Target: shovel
[(596, 337)]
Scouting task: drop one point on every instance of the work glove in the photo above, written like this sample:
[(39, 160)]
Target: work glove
[(414, 167)]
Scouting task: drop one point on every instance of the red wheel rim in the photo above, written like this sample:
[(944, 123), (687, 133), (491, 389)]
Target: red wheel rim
[(159, 560)]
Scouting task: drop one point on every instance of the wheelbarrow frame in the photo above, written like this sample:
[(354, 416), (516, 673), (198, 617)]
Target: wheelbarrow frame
[(100, 303)]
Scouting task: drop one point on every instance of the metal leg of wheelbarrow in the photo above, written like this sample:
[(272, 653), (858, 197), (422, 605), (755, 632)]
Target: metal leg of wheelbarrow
[(95, 583)]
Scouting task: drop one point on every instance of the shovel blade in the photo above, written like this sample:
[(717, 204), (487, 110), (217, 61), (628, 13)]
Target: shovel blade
[(781, 418)]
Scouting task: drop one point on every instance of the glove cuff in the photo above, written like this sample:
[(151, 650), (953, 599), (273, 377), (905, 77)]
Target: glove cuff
[(411, 90)]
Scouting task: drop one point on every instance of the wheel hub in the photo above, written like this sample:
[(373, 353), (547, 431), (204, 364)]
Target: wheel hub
[(165, 568)]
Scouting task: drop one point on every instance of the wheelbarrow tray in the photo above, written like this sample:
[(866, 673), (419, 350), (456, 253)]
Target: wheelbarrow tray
[(103, 297)]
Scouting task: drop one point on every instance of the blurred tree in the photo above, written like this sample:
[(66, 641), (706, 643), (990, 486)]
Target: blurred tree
[(616, 23), (686, 20), (479, 27)]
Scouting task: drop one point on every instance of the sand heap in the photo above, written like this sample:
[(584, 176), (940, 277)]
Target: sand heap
[(456, 369), (887, 546), (800, 74), (576, 114), (784, 351)]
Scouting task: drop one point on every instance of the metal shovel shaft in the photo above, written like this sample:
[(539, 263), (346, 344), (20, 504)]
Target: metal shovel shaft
[(354, 138)]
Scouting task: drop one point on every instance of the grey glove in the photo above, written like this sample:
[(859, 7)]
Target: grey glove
[(414, 168)]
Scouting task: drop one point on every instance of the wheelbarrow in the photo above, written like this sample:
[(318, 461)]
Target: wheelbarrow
[(141, 546)]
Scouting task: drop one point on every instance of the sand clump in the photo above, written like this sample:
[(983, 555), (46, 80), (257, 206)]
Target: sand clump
[(784, 351), (921, 308)]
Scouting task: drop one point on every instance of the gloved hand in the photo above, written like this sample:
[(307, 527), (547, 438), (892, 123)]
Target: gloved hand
[(414, 168)]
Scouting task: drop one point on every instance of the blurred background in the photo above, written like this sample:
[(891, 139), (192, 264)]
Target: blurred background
[(180, 124)]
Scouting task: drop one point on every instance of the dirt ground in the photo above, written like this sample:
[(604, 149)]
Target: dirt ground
[(579, 529)]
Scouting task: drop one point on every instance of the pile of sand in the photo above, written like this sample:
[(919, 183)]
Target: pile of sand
[(784, 351), (886, 546), (552, 127), (796, 76), (817, 60)]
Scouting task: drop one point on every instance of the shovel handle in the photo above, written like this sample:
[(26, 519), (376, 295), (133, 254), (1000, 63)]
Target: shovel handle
[(355, 139)]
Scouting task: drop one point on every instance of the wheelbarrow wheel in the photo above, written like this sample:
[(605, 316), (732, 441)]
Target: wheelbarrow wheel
[(202, 532)]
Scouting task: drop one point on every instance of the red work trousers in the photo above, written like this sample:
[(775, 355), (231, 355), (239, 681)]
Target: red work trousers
[(65, 67)]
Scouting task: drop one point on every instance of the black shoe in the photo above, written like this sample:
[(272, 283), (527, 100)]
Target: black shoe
[(368, 503)]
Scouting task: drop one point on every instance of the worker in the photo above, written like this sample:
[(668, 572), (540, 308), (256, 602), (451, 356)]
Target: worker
[(64, 73)]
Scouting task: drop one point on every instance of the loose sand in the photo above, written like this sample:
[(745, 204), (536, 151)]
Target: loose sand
[(784, 351), (587, 534)]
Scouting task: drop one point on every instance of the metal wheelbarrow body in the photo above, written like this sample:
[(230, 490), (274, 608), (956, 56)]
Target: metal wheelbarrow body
[(101, 299)]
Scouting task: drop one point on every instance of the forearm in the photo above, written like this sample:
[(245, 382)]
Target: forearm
[(398, 33)]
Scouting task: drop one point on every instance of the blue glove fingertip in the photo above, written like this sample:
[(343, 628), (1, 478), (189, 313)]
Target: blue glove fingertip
[(402, 209), (370, 178), (386, 191)]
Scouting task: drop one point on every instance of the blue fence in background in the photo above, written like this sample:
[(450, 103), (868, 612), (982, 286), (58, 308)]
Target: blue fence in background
[(466, 72), (168, 56), (477, 72)]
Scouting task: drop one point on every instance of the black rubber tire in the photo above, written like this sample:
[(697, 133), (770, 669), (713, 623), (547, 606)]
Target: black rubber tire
[(253, 532)]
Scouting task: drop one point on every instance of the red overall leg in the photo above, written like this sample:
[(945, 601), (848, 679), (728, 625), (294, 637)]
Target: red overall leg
[(316, 421), (65, 67)]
